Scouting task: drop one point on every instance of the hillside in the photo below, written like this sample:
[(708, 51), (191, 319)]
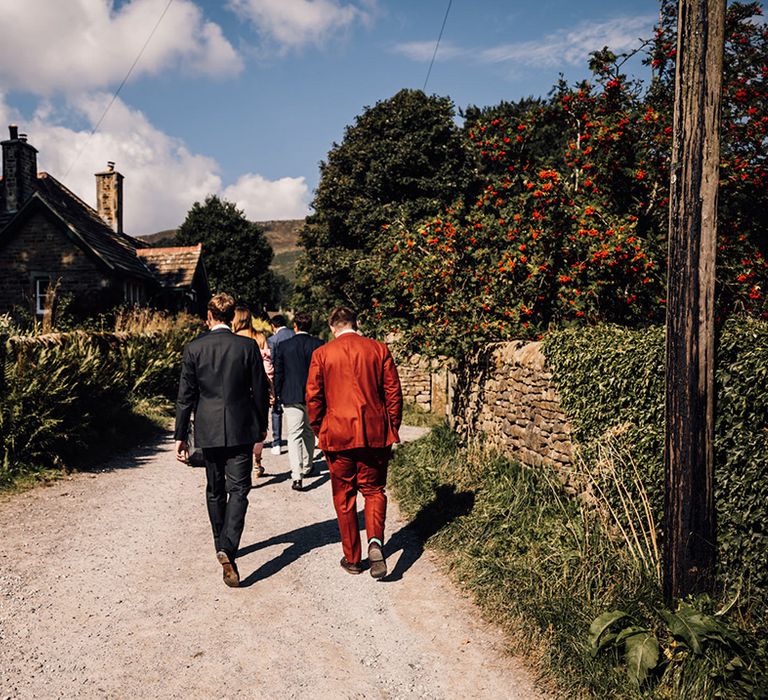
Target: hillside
[(282, 235)]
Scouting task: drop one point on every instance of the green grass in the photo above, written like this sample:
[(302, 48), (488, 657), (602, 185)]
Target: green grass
[(538, 563), (416, 416)]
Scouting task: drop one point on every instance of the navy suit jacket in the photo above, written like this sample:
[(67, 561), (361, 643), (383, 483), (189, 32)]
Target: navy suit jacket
[(276, 338), (292, 367), (224, 383)]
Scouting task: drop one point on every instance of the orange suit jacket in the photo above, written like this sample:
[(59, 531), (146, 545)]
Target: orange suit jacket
[(353, 394)]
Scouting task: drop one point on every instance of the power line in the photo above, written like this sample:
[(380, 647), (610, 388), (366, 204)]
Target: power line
[(437, 45), (120, 87)]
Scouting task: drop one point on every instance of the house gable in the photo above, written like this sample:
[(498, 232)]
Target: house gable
[(40, 246)]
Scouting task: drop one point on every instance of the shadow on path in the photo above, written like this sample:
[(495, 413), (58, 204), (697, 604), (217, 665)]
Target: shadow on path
[(410, 539), (301, 541), (102, 459)]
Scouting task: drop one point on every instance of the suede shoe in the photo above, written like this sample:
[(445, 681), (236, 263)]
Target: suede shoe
[(229, 569), (377, 560), (349, 567)]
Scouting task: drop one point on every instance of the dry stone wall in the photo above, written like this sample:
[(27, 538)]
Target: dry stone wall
[(505, 394)]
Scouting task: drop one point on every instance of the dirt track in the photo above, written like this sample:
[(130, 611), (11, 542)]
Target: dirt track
[(109, 588)]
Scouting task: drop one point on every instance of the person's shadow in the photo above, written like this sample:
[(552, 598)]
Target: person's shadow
[(409, 540), (433, 517), (301, 541)]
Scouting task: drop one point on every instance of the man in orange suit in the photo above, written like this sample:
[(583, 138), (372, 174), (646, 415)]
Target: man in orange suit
[(355, 406)]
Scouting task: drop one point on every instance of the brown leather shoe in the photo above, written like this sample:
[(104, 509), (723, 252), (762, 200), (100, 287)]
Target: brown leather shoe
[(230, 572), (349, 567), (377, 560)]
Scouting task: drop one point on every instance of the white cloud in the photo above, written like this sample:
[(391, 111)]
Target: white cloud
[(53, 46), (162, 177), (572, 46), (423, 50), (564, 47), (267, 200), (295, 23)]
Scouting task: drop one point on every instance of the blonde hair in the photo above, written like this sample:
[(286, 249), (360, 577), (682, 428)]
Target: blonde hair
[(243, 320), (260, 338)]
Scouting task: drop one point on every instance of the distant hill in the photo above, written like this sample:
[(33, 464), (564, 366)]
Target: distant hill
[(282, 235)]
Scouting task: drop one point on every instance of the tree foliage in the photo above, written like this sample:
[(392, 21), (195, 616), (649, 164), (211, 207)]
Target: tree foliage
[(542, 213), (402, 160), (236, 252), (570, 224)]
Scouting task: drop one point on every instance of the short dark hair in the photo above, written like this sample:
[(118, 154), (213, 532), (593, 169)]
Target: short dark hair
[(303, 321), (278, 320), (342, 316), (222, 307)]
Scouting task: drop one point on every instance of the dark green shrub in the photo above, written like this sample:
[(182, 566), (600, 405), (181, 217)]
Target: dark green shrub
[(65, 394), (611, 381)]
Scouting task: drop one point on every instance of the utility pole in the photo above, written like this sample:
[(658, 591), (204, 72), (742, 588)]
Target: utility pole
[(689, 508)]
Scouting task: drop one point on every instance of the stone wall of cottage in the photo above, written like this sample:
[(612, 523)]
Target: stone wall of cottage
[(505, 394), (42, 249)]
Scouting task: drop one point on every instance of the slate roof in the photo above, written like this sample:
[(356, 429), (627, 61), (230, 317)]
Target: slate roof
[(117, 249), (173, 267)]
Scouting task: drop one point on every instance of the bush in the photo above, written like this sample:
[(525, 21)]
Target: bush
[(66, 394), (611, 382)]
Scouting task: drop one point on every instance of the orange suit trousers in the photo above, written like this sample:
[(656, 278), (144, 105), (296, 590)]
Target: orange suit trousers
[(363, 469)]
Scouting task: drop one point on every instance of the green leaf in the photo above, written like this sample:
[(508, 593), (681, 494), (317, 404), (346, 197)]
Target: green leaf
[(598, 627), (693, 627), (642, 654)]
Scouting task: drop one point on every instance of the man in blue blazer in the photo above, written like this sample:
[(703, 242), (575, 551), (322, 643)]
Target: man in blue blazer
[(279, 334), (224, 383), (291, 369)]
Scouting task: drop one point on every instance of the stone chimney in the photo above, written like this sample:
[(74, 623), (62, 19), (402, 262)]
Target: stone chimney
[(19, 170), (109, 197)]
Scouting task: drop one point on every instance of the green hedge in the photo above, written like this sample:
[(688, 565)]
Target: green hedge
[(611, 383), (63, 394)]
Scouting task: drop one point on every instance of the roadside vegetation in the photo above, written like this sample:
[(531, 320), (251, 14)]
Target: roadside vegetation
[(577, 594), (68, 399), (576, 580), (417, 416)]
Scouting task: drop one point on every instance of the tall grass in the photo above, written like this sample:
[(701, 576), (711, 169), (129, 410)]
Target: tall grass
[(68, 397), (544, 565)]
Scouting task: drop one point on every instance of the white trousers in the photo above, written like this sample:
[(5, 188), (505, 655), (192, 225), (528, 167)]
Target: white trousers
[(301, 440)]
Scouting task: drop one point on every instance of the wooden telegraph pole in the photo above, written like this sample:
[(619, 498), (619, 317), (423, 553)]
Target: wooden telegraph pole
[(689, 516)]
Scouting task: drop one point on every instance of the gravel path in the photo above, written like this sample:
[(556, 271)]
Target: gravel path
[(109, 588)]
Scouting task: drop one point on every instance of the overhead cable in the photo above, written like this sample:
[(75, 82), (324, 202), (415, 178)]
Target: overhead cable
[(437, 45), (120, 87)]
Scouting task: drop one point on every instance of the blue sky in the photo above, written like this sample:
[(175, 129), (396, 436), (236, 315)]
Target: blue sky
[(243, 98)]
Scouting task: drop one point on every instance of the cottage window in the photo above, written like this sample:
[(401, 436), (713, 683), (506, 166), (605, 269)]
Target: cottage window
[(42, 285), (131, 292)]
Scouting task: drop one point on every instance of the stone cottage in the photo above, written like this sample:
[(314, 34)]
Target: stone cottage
[(50, 237)]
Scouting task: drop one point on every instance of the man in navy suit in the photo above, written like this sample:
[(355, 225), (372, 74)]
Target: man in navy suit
[(291, 369), (224, 383), (279, 334)]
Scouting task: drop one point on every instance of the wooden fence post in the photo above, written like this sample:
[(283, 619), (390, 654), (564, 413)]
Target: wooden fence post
[(689, 511)]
